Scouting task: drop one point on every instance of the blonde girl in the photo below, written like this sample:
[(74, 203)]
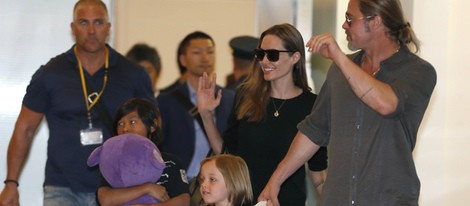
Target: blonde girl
[(225, 181)]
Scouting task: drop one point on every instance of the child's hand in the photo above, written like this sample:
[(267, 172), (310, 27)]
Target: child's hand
[(158, 192)]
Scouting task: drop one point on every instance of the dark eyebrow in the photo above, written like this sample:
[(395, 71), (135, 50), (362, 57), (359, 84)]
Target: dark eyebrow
[(92, 20), (349, 14)]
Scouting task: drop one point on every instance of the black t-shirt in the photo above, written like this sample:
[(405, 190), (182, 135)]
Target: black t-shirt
[(174, 176), (264, 144)]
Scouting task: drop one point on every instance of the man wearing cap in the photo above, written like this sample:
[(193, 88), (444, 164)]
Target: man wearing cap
[(243, 52)]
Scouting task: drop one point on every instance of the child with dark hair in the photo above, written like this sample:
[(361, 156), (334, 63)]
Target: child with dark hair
[(142, 117)]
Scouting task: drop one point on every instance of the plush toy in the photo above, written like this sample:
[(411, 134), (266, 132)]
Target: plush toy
[(127, 160)]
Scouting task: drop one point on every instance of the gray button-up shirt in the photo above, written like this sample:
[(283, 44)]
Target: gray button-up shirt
[(370, 155)]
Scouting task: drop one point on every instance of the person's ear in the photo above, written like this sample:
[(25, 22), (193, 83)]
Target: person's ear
[(72, 28), (182, 59), (375, 22), (295, 57), (156, 124)]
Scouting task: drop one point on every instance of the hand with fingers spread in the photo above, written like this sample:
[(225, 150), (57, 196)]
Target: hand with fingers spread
[(207, 101), (325, 45)]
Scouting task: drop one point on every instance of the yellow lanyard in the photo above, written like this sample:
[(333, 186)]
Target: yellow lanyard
[(88, 100)]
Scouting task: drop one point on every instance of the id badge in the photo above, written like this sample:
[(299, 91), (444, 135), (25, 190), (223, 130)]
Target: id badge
[(91, 136)]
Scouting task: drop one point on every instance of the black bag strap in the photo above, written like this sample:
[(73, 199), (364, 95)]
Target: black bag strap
[(192, 110), (104, 116)]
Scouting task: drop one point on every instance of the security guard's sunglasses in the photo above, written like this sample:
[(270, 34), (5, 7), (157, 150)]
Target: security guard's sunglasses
[(271, 54)]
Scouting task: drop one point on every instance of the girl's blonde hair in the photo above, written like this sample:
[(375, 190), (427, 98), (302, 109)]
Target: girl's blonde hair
[(236, 177)]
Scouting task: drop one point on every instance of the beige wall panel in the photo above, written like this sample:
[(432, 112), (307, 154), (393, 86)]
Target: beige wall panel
[(164, 23)]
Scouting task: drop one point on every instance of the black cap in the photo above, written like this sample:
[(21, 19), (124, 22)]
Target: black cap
[(243, 47)]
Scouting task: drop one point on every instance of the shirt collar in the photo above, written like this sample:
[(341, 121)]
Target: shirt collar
[(113, 56), (395, 58), (192, 93)]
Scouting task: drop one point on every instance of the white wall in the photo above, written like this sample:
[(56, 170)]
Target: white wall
[(443, 147), (32, 33)]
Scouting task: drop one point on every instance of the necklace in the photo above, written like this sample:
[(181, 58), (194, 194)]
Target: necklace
[(276, 113)]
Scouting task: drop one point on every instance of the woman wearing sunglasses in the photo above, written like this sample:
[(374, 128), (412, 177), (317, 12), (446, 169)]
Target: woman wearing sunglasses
[(268, 106)]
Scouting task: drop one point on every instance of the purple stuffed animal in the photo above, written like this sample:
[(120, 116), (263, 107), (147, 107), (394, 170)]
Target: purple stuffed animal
[(127, 160)]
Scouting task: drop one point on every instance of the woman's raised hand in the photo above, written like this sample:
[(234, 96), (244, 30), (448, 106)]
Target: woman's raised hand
[(207, 101)]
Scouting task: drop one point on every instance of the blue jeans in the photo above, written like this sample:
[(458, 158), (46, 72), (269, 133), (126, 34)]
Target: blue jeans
[(64, 196)]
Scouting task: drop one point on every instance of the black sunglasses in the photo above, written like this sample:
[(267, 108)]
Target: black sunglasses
[(271, 54)]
